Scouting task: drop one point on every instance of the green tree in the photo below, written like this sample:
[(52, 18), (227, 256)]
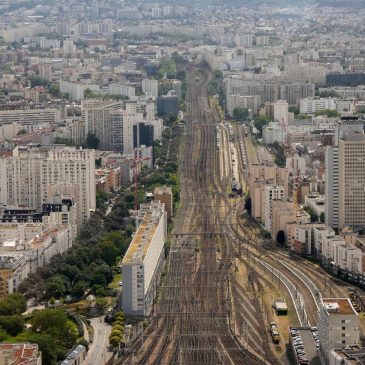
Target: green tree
[(115, 341), (294, 109), (55, 287), (79, 289), (101, 304), (47, 345), (89, 94), (329, 113), (260, 122), (92, 141), (13, 324), (54, 322), (13, 304), (240, 114), (21, 131)]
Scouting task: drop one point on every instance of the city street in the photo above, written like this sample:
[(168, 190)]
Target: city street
[(98, 353)]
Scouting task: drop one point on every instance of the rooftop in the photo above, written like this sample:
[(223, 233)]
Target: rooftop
[(20, 353), (142, 238), (340, 306)]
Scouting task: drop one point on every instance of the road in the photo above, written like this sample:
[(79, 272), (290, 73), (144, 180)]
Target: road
[(98, 353)]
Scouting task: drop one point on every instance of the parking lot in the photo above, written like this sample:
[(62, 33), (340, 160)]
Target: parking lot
[(304, 343)]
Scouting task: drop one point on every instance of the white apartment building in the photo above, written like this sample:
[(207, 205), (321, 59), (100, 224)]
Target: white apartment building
[(75, 90), (30, 118), (145, 155), (271, 193), (274, 132), (338, 327), (71, 166), (122, 89), (281, 112), (314, 105), (249, 102), (150, 87), (142, 264), (33, 175), (244, 40)]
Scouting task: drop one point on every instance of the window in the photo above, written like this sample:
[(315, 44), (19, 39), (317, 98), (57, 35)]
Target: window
[(343, 328)]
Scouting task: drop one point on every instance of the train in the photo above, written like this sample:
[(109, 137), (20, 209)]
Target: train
[(274, 331)]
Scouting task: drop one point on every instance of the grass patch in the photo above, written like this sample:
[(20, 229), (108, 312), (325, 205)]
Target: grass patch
[(115, 283)]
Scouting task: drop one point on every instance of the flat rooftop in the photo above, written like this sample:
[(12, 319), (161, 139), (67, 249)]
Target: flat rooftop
[(339, 306), (143, 237)]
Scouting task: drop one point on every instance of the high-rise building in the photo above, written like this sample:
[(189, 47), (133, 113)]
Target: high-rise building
[(45, 71), (164, 195), (345, 183)]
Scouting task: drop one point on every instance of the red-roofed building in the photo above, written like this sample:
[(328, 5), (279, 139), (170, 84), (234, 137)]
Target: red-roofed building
[(20, 354)]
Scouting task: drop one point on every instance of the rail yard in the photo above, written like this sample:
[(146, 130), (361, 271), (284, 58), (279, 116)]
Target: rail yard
[(214, 304)]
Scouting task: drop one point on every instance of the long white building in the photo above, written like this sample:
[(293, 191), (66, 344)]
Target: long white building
[(142, 264), (314, 105)]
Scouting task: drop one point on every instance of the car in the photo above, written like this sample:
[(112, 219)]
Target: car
[(109, 309), (120, 283)]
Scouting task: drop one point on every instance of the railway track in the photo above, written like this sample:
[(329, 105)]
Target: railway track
[(191, 320)]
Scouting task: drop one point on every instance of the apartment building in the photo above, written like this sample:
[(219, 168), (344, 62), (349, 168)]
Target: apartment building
[(38, 251), (70, 166), (338, 327), (33, 175), (260, 177), (314, 105), (271, 193), (14, 268), (249, 102), (30, 118), (150, 87), (142, 263)]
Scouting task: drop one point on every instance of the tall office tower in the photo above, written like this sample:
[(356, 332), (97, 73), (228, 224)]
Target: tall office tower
[(143, 134), (345, 177), (95, 9)]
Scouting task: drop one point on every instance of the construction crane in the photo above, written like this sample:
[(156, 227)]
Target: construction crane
[(137, 161)]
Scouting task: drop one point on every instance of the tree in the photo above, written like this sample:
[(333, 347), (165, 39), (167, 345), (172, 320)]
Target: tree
[(46, 343), (294, 109), (240, 114), (260, 122), (13, 324), (101, 304), (322, 217), (54, 322), (329, 113), (92, 141), (79, 289), (55, 287), (115, 341), (280, 238), (13, 304), (21, 131), (88, 94)]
